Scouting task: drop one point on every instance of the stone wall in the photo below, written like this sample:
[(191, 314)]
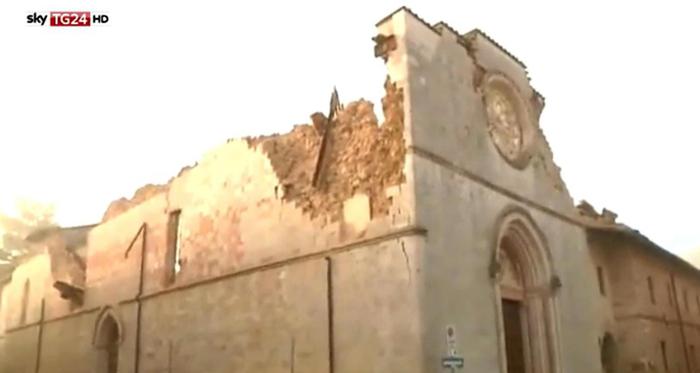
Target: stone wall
[(441, 72), (20, 351), (354, 256), (67, 345), (276, 273), (274, 320), (376, 308), (643, 321), (464, 185), (36, 270)]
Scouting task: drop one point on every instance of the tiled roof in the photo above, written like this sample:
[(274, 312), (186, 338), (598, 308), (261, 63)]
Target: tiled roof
[(642, 239), (476, 31), (409, 11), (463, 37)]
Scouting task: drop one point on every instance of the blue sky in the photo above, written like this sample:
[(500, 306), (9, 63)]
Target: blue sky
[(89, 115)]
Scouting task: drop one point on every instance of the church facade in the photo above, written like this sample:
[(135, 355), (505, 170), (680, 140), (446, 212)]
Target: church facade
[(441, 240)]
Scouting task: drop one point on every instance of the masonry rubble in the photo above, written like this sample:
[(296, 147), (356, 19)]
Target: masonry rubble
[(361, 156)]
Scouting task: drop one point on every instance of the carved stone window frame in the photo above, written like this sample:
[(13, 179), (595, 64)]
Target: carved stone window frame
[(494, 80)]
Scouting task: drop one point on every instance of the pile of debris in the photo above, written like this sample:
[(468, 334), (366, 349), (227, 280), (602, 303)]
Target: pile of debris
[(360, 156)]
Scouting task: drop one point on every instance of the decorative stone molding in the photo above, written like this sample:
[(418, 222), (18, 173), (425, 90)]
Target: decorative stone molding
[(106, 314), (511, 122), (495, 269), (518, 237)]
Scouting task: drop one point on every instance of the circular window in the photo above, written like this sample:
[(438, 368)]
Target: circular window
[(509, 119)]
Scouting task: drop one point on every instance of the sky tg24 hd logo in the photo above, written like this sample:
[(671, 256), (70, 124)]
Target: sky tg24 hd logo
[(67, 19)]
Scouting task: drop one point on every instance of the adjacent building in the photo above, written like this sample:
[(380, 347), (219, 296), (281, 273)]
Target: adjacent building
[(441, 240), (651, 299)]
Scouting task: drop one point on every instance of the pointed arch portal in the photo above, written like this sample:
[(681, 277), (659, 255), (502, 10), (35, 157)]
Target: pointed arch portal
[(107, 338), (525, 284)]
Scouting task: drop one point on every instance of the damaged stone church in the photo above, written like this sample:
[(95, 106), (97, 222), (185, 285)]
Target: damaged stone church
[(441, 240)]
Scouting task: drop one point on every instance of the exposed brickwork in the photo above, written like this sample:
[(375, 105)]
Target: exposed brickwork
[(362, 157), (121, 205), (363, 270)]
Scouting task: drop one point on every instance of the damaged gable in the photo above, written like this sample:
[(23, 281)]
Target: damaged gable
[(361, 156), (65, 247), (465, 91), (121, 205), (481, 48)]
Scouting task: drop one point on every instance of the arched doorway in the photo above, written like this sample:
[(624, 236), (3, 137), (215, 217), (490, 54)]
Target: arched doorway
[(525, 285), (107, 339)]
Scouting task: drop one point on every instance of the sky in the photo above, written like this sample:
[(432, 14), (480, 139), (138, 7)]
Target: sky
[(88, 115)]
